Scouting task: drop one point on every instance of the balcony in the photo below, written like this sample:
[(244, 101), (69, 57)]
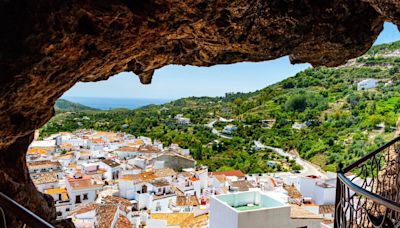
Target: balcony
[(10, 208), (368, 190)]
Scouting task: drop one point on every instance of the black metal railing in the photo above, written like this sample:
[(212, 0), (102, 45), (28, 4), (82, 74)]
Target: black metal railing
[(8, 207), (368, 190)]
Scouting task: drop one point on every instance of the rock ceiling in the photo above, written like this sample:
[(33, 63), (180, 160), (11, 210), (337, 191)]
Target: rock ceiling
[(48, 46)]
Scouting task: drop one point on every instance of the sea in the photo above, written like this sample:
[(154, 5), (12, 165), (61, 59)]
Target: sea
[(113, 103)]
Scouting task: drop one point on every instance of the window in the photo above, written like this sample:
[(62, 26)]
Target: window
[(59, 197), (85, 196), (158, 206), (59, 213), (67, 209), (78, 199)]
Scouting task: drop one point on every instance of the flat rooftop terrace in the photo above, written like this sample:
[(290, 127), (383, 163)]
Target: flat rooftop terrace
[(248, 201)]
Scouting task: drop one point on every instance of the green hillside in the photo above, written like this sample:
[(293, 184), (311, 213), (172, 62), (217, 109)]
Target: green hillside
[(341, 122), (63, 105)]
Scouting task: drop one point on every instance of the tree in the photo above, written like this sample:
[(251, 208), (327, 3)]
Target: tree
[(297, 103), (288, 85), (296, 167)]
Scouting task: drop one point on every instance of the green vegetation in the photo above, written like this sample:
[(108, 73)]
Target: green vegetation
[(343, 123), (63, 105)]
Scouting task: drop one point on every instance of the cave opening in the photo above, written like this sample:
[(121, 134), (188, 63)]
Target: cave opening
[(47, 48)]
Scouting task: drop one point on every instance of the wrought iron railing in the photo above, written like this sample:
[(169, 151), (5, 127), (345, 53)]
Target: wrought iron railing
[(8, 207), (368, 190)]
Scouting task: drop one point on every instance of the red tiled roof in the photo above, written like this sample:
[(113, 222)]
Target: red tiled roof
[(82, 183), (230, 173)]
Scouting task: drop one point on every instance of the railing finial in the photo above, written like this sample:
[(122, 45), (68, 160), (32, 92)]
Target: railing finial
[(340, 167)]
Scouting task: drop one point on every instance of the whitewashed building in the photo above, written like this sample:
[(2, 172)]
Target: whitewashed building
[(81, 189), (229, 129), (366, 84), (112, 169), (257, 210)]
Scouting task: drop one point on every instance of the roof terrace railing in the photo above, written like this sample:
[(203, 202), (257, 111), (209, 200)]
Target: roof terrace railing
[(10, 207), (368, 190)]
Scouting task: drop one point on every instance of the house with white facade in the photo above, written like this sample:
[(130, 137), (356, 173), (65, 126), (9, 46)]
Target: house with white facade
[(174, 160), (321, 191), (367, 84), (46, 180), (133, 151), (111, 167), (229, 129), (81, 189), (188, 184), (257, 210), (44, 166), (148, 189), (180, 120), (107, 214), (61, 201), (299, 126)]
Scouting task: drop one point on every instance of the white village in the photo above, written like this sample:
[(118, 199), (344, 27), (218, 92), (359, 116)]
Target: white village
[(108, 179)]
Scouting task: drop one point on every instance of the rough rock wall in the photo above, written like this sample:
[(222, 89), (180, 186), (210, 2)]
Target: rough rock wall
[(48, 46), (389, 9)]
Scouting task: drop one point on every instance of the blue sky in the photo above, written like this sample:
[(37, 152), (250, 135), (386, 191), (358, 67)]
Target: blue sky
[(174, 81)]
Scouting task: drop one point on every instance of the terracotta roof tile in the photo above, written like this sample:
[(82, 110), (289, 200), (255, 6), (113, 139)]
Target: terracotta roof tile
[(187, 201), (327, 209), (110, 163), (123, 222), (242, 185), (292, 192), (105, 215), (42, 178), (165, 172), (297, 212), (44, 164), (85, 208), (230, 173), (82, 183)]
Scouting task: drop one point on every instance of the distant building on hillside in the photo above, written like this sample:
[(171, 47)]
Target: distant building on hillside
[(268, 123), (299, 126), (366, 84), (228, 129), (180, 120)]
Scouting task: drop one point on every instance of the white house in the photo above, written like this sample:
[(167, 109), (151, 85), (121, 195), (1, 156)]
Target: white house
[(112, 169), (144, 150), (150, 190), (81, 189), (321, 191), (188, 184), (180, 120), (61, 201), (324, 194), (299, 126), (85, 215), (366, 84), (228, 129), (44, 166), (257, 210), (45, 181)]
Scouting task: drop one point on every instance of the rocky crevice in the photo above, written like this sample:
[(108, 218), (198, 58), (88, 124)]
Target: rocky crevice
[(48, 46)]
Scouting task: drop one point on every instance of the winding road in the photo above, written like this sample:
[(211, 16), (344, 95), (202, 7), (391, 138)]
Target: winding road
[(308, 168), (215, 131)]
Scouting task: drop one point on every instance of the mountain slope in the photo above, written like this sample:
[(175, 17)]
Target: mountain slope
[(63, 105)]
